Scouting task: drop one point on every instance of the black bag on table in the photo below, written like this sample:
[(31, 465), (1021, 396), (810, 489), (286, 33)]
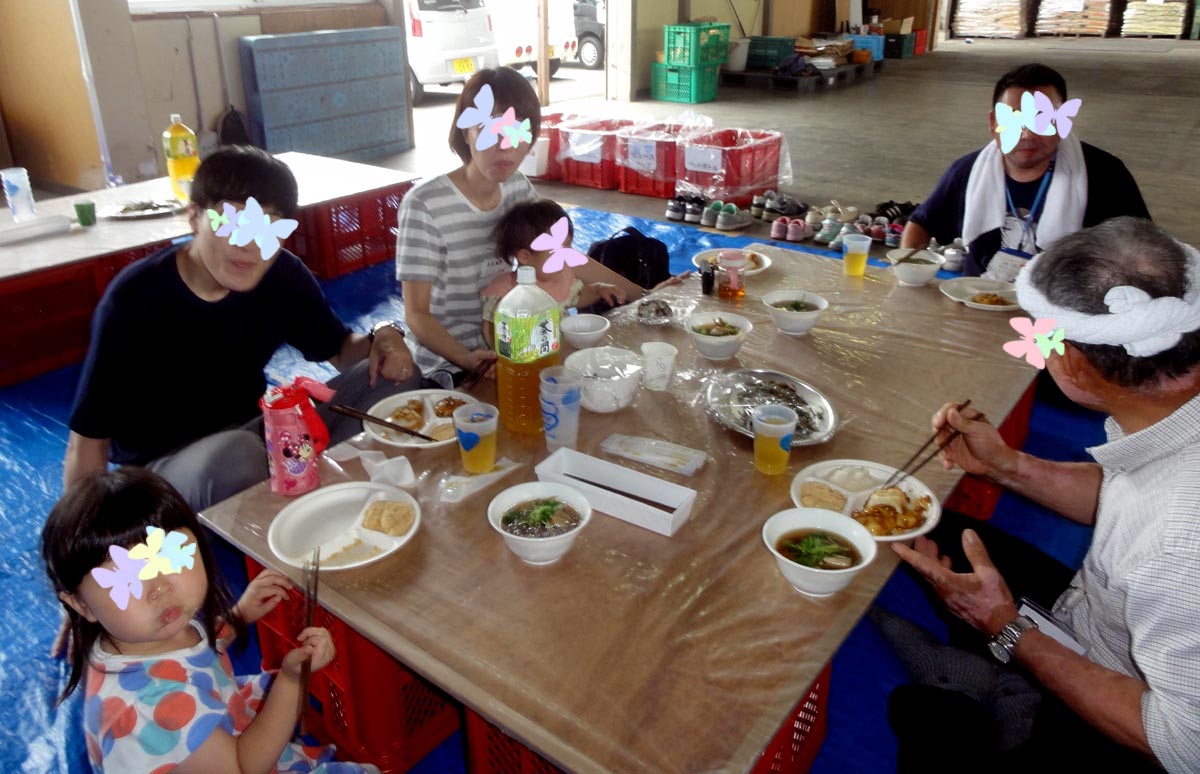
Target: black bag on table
[(635, 256)]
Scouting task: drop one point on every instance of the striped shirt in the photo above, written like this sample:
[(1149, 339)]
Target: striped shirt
[(1135, 603), (447, 241)]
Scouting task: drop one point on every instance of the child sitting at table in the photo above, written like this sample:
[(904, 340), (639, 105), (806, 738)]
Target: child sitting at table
[(515, 235), (149, 625)]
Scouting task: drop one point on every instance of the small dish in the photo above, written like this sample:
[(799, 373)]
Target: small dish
[(962, 289), (584, 330)]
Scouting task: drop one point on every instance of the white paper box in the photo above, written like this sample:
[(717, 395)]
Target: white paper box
[(676, 500)]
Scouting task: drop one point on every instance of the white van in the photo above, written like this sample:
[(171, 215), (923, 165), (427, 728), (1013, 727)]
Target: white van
[(515, 28), (448, 42)]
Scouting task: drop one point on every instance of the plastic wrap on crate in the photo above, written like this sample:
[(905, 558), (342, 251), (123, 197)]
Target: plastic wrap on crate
[(550, 139), (587, 151), (732, 165), (645, 153)]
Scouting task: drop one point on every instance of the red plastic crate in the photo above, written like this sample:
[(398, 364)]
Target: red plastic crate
[(646, 159), (338, 237), (491, 751), (731, 165), (919, 46), (589, 151), (549, 128), (367, 703)]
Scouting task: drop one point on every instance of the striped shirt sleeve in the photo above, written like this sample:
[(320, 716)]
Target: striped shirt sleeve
[(420, 252)]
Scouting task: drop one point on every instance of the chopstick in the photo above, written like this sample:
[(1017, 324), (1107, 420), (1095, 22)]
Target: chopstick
[(910, 254), (906, 470), (350, 411), (475, 375), (642, 500), (312, 578)]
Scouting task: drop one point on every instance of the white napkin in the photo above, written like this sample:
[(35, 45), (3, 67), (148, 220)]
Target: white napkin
[(396, 471), (452, 489)]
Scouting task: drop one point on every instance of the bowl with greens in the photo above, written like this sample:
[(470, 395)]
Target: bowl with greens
[(539, 520), (794, 311), (818, 551), (718, 335)]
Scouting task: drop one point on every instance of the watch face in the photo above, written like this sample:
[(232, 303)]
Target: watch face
[(1001, 653)]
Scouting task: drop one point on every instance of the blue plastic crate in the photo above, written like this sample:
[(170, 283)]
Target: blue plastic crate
[(872, 43)]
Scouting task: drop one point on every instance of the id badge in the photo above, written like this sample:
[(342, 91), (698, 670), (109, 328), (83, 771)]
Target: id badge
[(1048, 626), (1005, 266)]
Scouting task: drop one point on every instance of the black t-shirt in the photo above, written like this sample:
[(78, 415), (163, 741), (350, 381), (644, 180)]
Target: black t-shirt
[(1111, 192), (166, 367)]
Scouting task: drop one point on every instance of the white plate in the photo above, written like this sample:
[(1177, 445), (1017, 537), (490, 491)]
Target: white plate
[(161, 208), (331, 517), (711, 255), (911, 486), (384, 408), (961, 289)]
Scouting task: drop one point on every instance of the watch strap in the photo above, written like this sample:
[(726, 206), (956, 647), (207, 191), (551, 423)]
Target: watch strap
[(393, 324)]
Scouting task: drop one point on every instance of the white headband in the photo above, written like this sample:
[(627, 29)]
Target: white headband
[(1145, 326)]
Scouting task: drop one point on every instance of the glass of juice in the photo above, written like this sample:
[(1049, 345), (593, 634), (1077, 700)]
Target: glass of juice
[(475, 426), (773, 429), (855, 248)]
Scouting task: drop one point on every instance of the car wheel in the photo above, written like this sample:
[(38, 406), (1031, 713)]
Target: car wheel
[(415, 89), (554, 65), (591, 53)]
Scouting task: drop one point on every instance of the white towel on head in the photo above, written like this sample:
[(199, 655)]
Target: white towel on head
[(1066, 200)]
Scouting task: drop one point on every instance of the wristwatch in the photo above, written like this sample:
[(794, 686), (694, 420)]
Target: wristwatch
[(377, 327), (1006, 639)]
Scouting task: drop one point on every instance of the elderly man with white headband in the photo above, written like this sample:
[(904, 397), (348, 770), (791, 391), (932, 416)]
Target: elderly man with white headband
[(1109, 679)]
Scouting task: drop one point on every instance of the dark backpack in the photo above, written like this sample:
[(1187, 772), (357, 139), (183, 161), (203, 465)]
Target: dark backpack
[(635, 256)]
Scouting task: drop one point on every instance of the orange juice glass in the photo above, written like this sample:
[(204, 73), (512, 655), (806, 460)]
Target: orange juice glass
[(855, 248)]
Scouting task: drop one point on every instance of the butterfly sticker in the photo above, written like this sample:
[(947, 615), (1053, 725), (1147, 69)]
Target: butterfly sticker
[(560, 255), (1061, 117), (123, 581), (481, 115), (1038, 339), (254, 225), (181, 556), (218, 220), (1010, 123), (148, 552), (515, 134)]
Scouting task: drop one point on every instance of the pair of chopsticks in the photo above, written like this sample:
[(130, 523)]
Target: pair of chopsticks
[(350, 411), (312, 579), (908, 469), (910, 254), (475, 375)]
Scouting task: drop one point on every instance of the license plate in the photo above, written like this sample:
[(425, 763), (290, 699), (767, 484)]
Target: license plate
[(550, 53), (464, 66)]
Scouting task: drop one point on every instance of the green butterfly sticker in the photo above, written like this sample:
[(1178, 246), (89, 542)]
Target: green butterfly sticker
[(1050, 343), (217, 219)]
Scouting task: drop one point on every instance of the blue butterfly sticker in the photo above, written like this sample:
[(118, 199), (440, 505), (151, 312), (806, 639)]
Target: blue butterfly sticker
[(1010, 123), (254, 225), (480, 115)]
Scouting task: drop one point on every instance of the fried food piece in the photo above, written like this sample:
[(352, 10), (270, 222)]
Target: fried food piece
[(891, 511), (814, 494), (410, 414), (991, 299), (445, 407), (388, 517), (753, 261)]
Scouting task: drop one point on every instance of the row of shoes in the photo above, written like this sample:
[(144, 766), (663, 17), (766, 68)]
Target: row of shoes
[(718, 214)]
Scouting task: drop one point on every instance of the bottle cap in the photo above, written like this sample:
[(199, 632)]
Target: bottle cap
[(176, 119), (526, 275)]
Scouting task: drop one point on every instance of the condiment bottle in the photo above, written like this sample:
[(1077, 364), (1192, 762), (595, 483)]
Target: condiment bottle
[(708, 277), (731, 274)]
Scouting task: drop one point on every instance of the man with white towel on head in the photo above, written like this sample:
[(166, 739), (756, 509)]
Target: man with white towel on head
[(1033, 184)]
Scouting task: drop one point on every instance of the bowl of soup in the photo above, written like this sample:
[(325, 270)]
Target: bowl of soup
[(718, 335), (539, 520), (917, 270), (818, 551), (794, 311)]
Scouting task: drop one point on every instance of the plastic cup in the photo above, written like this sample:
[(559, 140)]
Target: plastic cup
[(19, 193), (475, 426), (774, 426), (561, 392), (660, 360), (85, 213), (855, 248)]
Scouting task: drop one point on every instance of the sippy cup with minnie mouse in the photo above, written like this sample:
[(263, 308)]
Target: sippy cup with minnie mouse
[(294, 434)]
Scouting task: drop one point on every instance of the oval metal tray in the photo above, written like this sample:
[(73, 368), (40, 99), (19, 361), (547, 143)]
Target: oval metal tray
[(727, 406)]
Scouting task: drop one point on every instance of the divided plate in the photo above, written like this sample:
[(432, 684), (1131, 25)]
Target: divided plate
[(331, 517), (856, 499), (432, 424)]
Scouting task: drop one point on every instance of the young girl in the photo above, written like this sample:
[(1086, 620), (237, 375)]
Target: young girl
[(149, 623), (514, 235)]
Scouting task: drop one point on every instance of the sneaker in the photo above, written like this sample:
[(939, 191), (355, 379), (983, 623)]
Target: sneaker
[(799, 230), (780, 228), (895, 231), (709, 216), (878, 233), (676, 209), (784, 205), (847, 228), (692, 212), (759, 202), (731, 218), (830, 228)]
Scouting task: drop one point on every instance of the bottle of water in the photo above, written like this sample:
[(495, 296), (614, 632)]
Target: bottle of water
[(183, 156)]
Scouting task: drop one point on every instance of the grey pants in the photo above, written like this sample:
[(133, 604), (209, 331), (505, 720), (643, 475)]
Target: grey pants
[(220, 465)]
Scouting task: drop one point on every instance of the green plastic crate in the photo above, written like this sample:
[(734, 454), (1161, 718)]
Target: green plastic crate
[(695, 44), (684, 84), (767, 52)]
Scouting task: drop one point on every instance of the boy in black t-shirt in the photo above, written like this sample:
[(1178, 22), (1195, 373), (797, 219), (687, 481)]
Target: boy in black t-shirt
[(174, 371), (1017, 204)]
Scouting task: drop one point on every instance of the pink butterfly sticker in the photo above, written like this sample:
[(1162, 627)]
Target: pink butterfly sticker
[(123, 581), (560, 256), (1027, 346), (1061, 117)]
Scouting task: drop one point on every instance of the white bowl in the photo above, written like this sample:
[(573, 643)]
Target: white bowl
[(794, 323), (809, 580), (915, 274), (611, 376), (584, 330), (546, 550), (718, 347)]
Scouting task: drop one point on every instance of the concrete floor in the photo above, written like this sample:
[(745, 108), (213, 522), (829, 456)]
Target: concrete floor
[(892, 137)]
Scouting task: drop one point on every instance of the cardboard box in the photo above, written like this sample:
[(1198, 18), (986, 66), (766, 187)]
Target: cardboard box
[(576, 469), (898, 26)]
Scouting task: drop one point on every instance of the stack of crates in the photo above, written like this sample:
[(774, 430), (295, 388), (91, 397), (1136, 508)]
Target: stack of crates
[(692, 54)]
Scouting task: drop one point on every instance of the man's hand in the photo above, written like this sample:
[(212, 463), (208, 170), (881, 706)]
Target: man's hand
[(390, 357), (267, 590), (979, 450), (981, 597)]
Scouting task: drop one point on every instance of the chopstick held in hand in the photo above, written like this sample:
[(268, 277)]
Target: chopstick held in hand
[(908, 469), (312, 577)]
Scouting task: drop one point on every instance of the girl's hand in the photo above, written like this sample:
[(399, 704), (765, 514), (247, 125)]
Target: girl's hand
[(316, 643), (266, 591), (678, 278), (610, 294)]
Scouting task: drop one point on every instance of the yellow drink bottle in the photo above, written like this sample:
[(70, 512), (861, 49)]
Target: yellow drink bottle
[(527, 340), (180, 149)]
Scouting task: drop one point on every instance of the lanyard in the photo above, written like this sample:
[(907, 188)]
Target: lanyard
[(1027, 221)]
